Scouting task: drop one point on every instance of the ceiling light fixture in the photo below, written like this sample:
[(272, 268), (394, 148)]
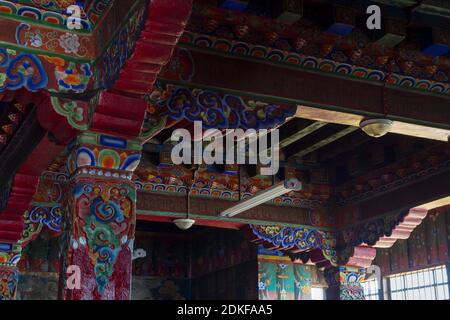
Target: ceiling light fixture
[(376, 127), (263, 196), (186, 223)]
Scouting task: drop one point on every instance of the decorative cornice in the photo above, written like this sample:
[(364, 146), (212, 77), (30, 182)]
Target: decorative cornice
[(215, 110), (30, 11), (404, 229), (294, 239), (313, 63), (168, 205), (351, 246), (285, 200), (103, 155), (426, 164), (44, 32)]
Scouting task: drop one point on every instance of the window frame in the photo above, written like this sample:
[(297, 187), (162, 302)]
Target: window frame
[(421, 284)]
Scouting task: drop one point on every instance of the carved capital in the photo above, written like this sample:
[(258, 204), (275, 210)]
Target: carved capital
[(101, 155), (344, 283)]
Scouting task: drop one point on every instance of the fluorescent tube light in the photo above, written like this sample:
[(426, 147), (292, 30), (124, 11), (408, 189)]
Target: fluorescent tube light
[(263, 196)]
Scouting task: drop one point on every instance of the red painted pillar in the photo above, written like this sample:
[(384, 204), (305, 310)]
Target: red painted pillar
[(101, 217), (344, 283)]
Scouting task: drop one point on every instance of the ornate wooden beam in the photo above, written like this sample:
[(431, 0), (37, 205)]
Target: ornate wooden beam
[(322, 247), (300, 85), (208, 209)]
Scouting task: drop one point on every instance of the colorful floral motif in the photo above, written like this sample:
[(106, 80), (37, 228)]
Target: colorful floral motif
[(76, 78), (30, 231), (121, 48), (206, 191), (347, 280), (69, 42), (76, 113), (53, 40), (51, 17), (21, 70), (351, 291), (70, 76), (9, 254), (332, 64), (56, 5), (104, 152), (9, 277), (104, 222), (51, 217), (337, 247), (216, 110), (94, 156), (301, 238)]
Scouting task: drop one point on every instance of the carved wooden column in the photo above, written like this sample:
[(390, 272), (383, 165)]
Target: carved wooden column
[(101, 216), (344, 283)]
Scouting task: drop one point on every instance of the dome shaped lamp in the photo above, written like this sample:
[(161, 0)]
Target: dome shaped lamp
[(376, 127), (186, 223)]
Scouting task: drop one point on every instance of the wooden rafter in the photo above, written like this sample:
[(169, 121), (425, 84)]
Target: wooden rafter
[(325, 142)]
